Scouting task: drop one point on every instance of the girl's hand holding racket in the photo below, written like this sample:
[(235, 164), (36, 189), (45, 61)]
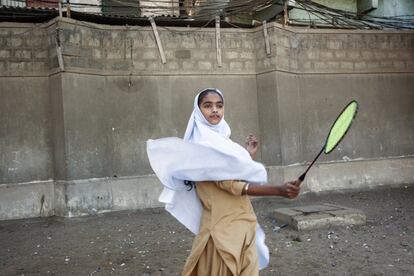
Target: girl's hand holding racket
[(252, 145), (290, 189)]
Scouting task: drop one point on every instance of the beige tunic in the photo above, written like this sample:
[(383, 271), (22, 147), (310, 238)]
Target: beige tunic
[(226, 243)]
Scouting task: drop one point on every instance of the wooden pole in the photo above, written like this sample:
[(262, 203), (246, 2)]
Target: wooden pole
[(68, 10), (59, 50), (266, 37), (60, 8), (218, 42), (285, 12), (158, 40)]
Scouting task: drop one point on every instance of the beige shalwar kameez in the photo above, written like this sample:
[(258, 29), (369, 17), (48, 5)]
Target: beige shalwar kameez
[(226, 243)]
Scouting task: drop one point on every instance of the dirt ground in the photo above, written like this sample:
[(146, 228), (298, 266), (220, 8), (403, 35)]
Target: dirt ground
[(151, 242)]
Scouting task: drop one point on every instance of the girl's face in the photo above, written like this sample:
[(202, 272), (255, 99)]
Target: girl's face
[(212, 107)]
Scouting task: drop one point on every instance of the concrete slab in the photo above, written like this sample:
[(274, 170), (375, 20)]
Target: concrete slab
[(319, 216)]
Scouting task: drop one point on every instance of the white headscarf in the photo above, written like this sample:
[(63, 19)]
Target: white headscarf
[(205, 153)]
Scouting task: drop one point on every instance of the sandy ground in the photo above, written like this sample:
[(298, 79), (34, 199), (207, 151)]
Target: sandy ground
[(151, 242)]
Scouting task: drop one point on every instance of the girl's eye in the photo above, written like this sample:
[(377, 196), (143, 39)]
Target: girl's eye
[(219, 106), (207, 106)]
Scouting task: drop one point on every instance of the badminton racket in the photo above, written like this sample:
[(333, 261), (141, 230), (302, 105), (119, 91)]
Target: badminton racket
[(338, 130)]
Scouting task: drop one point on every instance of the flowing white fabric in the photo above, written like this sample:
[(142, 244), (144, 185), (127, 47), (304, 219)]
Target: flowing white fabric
[(205, 153)]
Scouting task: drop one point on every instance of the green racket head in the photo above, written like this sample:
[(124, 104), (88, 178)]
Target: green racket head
[(341, 126)]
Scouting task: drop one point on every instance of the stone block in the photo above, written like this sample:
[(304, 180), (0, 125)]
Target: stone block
[(326, 55), (231, 43), (410, 64), (149, 41), (139, 65), (23, 54), (96, 53), (247, 44), (188, 65), (41, 54), (307, 65), (360, 65), (96, 64), (119, 65), (333, 64), (173, 65), (37, 66), (280, 51), (188, 42), (5, 54), (231, 54), (150, 54), (320, 65), (247, 55), (205, 65), (353, 54), (71, 50), (16, 42), (249, 65), (74, 38), (17, 66), (171, 53), (35, 41), (236, 65), (293, 63), (319, 216), (137, 54), (398, 64), (183, 54), (115, 54), (200, 54), (74, 61), (386, 64), (86, 52), (340, 54), (405, 55), (93, 42), (347, 65), (4, 32), (380, 55), (373, 65), (367, 54), (313, 54), (334, 44), (155, 65), (285, 42)]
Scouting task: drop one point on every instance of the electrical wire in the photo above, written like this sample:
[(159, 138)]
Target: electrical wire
[(318, 15)]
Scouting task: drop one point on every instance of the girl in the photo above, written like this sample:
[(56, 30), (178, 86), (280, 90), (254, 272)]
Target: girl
[(206, 178)]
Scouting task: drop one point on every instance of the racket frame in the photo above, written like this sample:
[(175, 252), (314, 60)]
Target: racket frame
[(302, 177)]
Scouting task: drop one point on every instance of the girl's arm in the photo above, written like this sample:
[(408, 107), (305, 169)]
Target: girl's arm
[(289, 189)]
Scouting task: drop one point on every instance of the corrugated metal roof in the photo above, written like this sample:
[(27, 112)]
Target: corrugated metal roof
[(38, 14), (27, 14)]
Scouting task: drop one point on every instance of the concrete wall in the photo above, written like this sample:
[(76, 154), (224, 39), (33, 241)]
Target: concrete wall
[(74, 140), (107, 122), (26, 149), (311, 75)]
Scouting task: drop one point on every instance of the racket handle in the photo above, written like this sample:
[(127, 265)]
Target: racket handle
[(302, 177)]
